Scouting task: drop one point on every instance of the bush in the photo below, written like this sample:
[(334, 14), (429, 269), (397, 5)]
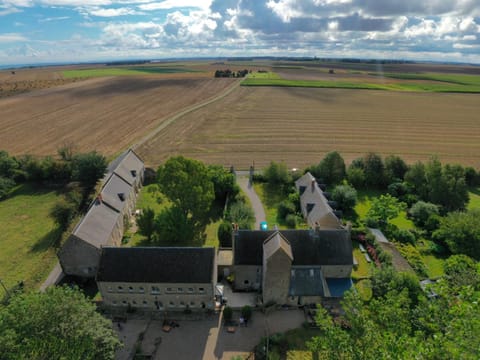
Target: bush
[(247, 312), (225, 234), (277, 173), (242, 214), (5, 186), (404, 236), (345, 196), (421, 211), (291, 221), (371, 223), (356, 177), (227, 314), (414, 258), (285, 208), (63, 213)]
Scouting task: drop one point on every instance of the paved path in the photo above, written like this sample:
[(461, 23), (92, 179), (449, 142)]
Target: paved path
[(55, 276), (257, 206)]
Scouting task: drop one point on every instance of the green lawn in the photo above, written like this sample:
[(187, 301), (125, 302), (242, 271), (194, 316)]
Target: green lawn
[(295, 344), (124, 71), (363, 205), (27, 237), (474, 195), (364, 267)]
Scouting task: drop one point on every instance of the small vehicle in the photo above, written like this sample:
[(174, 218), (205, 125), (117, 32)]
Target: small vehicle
[(264, 226)]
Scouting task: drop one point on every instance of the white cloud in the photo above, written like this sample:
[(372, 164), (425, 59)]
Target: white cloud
[(173, 4), (11, 37), (112, 12), (59, 18)]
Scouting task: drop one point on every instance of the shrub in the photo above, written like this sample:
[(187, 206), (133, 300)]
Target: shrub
[(421, 211), (414, 258), (227, 314), (345, 196), (285, 208), (247, 312), (63, 213), (242, 214), (291, 221), (5, 186), (225, 234), (356, 177), (404, 236), (371, 223), (277, 173)]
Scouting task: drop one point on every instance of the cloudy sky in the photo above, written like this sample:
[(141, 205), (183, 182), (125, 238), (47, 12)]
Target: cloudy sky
[(33, 31)]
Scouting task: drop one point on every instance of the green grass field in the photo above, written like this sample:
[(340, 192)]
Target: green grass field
[(124, 71), (363, 270), (446, 83), (27, 237)]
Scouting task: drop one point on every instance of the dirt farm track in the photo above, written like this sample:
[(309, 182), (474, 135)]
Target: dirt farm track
[(250, 124)]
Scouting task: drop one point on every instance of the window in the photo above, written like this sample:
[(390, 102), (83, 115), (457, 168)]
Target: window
[(114, 302), (201, 289), (246, 282), (141, 289), (120, 288), (192, 303), (110, 289), (182, 304), (130, 289), (190, 290), (171, 304), (155, 290), (134, 302), (124, 302), (180, 290), (134, 173), (145, 303), (169, 290), (121, 196)]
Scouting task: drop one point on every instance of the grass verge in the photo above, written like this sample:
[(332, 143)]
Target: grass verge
[(28, 236), (127, 71)]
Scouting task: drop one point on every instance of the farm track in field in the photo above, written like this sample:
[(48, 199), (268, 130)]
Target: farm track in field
[(299, 126), (107, 114)]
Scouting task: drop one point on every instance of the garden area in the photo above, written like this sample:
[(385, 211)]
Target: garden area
[(189, 204)]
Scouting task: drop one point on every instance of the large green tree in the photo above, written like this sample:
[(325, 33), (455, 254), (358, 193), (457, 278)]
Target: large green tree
[(57, 324), (331, 169), (186, 183), (374, 170), (345, 196), (384, 208), (88, 168), (461, 232)]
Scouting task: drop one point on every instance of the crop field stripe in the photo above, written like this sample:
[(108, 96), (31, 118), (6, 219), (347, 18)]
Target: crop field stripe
[(454, 88), (85, 73)]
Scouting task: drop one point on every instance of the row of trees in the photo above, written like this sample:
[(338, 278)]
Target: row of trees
[(229, 73), (75, 174), (444, 185)]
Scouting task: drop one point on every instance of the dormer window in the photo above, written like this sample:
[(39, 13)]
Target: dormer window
[(134, 173), (121, 196)]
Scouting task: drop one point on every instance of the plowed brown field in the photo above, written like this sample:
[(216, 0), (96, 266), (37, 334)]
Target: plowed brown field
[(103, 114), (299, 125)]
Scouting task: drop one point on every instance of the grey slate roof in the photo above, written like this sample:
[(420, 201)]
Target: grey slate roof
[(124, 165), (306, 282), (96, 226), (114, 186), (314, 204), (157, 265), (276, 242), (309, 247)]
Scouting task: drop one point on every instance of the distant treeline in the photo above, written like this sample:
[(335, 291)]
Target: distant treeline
[(229, 73)]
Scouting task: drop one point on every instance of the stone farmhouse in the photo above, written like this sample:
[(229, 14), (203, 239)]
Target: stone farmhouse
[(104, 222), (158, 278), (293, 267), (315, 206)]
